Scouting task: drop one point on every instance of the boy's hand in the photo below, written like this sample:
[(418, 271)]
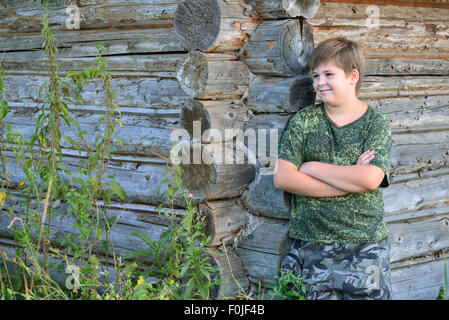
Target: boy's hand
[(366, 157)]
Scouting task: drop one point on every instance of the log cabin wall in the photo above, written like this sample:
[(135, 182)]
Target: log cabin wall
[(216, 64)]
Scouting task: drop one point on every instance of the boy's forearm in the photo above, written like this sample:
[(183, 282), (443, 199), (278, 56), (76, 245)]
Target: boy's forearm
[(354, 179), (302, 184)]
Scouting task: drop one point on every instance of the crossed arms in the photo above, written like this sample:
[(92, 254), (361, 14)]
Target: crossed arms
[(317, 179)]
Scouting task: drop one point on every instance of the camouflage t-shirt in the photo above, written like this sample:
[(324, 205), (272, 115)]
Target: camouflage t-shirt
[(352, 218)]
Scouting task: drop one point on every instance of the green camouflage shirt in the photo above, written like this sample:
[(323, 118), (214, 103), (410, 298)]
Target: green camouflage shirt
[(311, 135)]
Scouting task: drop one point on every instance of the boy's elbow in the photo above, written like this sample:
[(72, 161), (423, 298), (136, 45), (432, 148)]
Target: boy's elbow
[(277, 181), (375, 178)]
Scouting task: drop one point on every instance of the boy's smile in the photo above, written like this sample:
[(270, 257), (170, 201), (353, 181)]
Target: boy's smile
[(332, 84)]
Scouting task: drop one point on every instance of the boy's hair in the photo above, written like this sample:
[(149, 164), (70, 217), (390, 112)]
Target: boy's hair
[(345, 54)]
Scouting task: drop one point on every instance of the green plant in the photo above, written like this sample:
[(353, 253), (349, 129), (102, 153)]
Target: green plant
[(444, 290), (42, 190), (289, 286), (180, 257)]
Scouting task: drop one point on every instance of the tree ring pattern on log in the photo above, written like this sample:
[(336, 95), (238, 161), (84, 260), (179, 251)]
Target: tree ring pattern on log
[(296, 45), (197, 23), (301, 8)]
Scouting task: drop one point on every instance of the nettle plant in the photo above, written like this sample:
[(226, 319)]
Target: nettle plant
[(43, 188)]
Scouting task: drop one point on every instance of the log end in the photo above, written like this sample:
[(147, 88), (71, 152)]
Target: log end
[(197, 23), (296, 46), (301, 8), (192, 74), (301, 93)]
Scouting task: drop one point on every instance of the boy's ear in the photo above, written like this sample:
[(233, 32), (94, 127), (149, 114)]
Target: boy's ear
[(355, 75)]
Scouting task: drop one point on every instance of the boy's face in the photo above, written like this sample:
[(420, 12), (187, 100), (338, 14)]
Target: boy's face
[(332, 84)]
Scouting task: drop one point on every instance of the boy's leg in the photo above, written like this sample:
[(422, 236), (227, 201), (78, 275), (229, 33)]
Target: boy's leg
[(368, 273), (348, 271), (311, 262)]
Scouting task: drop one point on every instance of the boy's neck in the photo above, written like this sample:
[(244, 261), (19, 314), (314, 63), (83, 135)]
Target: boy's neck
[(349, 108)]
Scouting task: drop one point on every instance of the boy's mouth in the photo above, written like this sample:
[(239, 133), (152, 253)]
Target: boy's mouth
[(325, 90)]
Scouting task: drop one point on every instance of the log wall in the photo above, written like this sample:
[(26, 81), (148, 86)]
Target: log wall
[(234, 72)]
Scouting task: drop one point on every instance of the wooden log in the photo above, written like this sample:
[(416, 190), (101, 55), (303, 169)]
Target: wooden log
[(262, 249), (264, 199), (208, 120), (407, 65), (214, 25), (279, 48), (129, 218), (414, 112), (301, 8), (233, 275), (25, 16), (224, 220), (161, 65), (413, 239), (276, 9), (279, 94), (76, 43), (215, 170), (141, 135), (416, 193), (139, 176), (400, 31), (213, 76), (419, 279), (143, 93)]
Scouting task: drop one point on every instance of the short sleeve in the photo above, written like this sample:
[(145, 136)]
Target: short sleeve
[(379, 140), (291, 142)]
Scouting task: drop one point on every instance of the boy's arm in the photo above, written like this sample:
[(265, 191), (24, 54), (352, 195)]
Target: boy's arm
[(287, 177), (355, 178)]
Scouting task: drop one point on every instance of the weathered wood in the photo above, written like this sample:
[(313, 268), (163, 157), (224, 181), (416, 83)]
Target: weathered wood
[(413, 195), (145, 220), (215, 170), (262, 249), (161, 65), (148, 93), (25, 16), (213, 76), (400, 64), (234, 279), (277, 9), (279, 48), (140, 135), (139, 176), (279, 94), (301, 8), (208, 120), (413, 239), (264, 199), (76, 43), (224, 220), (418, 281), (214, 25), (422, 35)]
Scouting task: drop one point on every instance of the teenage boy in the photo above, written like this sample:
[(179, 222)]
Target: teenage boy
[(334, 157)]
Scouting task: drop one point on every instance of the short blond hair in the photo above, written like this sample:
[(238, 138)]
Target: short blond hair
[(345, 54)]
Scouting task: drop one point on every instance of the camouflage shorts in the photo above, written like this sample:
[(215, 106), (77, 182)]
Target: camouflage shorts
[(341, 271)]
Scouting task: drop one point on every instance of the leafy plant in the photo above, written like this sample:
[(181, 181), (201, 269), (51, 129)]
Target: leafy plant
[(289, 286), (180, 257)]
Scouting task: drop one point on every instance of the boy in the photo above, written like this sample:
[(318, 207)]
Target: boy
[(334, 157)]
